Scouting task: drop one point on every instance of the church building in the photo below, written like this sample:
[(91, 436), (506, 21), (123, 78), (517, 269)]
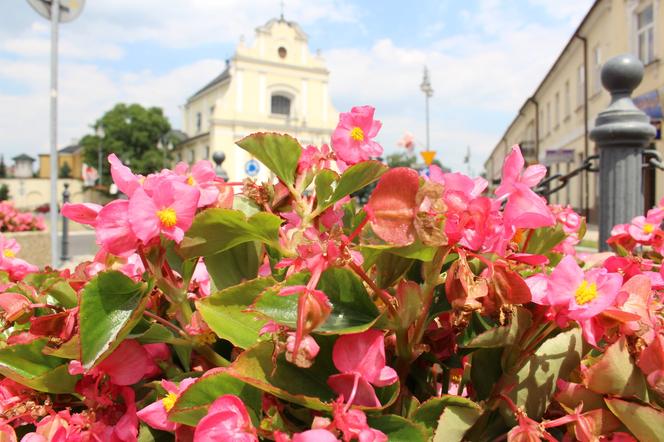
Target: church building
[(273, 85)]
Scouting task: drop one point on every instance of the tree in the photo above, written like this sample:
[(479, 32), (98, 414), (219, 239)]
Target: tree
[(4, 192), (3, 168), (132, 133), (65, 170)]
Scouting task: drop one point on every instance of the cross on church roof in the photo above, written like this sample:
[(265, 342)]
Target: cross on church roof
[(281, 4)]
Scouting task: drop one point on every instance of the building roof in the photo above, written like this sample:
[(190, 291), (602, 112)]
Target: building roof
[(225, 75), (23, 157), (71, 149), (291, 24)]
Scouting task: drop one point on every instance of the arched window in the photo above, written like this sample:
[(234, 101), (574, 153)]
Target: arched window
[(280, 105)]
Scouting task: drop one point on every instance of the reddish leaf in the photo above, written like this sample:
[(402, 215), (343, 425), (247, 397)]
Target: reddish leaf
[(392, 204)]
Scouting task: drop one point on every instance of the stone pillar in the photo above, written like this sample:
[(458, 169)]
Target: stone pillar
[(621, 132)]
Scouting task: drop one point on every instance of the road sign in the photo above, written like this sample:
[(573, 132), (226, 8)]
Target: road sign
[(252, 167), (428, 156)]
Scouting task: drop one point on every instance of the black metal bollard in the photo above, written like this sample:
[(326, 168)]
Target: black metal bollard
[(218, 158), (65, 228), (621, 132)]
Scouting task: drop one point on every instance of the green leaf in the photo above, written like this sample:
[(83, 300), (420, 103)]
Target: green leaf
[(353, 179), (325, 183), (454, 422), (616, 374), (304, 386), (193, 403), (53, 285), (226, 312), (430, 411), (485, 370), (147, 434), (29, 366), (416, 250), (536, 381), (279, 152), (398, 429), (352, 309), (390, 268), (217, 230), (544, 239), (233, 266), (147, 332), (644, 422), (111, 305), (504, 335)]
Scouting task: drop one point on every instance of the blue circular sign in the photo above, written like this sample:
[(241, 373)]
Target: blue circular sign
[(252, 167)]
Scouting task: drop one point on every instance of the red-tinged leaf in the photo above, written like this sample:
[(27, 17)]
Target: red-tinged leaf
[(644, 422), (505, 287), (615, 373), (462, 287), (570, 395), (392, 206)]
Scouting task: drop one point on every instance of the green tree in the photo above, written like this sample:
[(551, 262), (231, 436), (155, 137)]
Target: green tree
[(132, 133), (4, 192), (3, 168), (65, 170)]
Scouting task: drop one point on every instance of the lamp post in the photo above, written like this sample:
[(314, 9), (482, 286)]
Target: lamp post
[(428, 93), (100, 134)]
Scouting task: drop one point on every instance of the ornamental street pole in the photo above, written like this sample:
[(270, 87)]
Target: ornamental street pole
[(55, 15), (428, 93), (621, 132)]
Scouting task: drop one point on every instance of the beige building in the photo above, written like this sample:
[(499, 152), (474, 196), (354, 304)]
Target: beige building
[(275, 84), (552, 125), (72, 156)]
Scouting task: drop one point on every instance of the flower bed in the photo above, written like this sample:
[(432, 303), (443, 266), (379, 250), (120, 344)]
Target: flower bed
[(11, 220), (238, 311)]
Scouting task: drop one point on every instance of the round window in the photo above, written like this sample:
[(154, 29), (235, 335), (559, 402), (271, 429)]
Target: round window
[(282, 52)]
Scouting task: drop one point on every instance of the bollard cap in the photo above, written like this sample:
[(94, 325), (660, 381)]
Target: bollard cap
[(622, 74), (218, 157)]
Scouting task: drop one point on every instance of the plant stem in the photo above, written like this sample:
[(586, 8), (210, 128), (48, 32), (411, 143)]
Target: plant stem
[(212, 356), (387, 299), (165, 323)]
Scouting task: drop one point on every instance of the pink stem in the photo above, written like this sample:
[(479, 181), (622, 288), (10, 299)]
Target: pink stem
[(353, 392)]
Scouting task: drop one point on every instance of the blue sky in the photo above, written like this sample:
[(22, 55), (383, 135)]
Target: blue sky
[(485, 58)]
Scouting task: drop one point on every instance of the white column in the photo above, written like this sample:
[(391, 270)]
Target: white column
[(262, 92), (324, 93), (305, 99)]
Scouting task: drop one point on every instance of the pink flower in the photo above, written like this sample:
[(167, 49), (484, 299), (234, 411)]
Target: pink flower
[(574, 294), (123, 177), (83, 213), (651, 362), (15, 267), (203, 177), (318, 435), (306, 353), (524, 208), (170, 210), (643, 228), (353, 424), (227, 419), (360, 358), (313, 158), (407, 141), (352, 139), (113, 229), (156, 414)]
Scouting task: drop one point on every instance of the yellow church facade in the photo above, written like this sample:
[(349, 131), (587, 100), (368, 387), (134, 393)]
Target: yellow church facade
[(273, 85)]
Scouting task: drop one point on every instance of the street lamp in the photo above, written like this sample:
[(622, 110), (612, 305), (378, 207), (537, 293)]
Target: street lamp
[(428, 92), (100, 134)]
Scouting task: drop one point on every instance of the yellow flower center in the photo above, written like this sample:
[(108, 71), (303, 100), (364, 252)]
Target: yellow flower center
[(8, 253), (167, 217), (191, 181), (169, 401), (586, 293), (648, 228), (357, 134)]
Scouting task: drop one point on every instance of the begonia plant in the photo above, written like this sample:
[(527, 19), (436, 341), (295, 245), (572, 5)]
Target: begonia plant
[(283, 310)]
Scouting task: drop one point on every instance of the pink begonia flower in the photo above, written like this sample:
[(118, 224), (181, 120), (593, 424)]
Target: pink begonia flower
[(156, 414), (360, 358), (227, 419), (113, 229), (306, 353), (407, 141), (15, 267), (651, 362), (352, 140), (353, 424), (7, 433), (123, 177), (170, 210), (203, 177), (524, 208), (200, 285), (642, 228), (313, 158), (318, 435), (82, 213), (574, 294)]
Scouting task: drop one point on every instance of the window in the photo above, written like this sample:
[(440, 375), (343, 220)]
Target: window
[(282, 52), (567, 100), (645, 34), (580, 86), (212, 110), (199, 121), (192, 156), (548, 117), (207, 153), (280, 105), (557, 109), (179, 157), (597, 68), (541, 123)]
